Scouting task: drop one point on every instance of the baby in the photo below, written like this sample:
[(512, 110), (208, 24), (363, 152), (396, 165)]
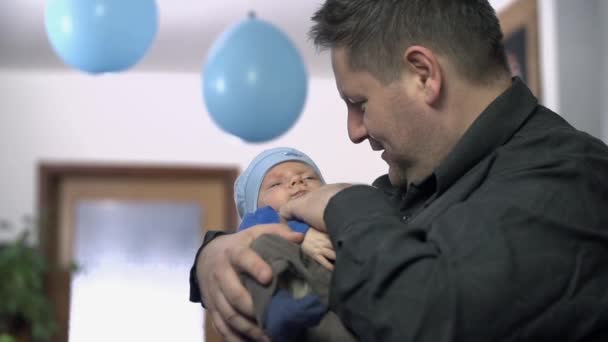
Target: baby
[(294, 306), (272, 179)]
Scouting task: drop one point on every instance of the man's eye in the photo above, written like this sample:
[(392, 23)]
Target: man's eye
[(363, 106)]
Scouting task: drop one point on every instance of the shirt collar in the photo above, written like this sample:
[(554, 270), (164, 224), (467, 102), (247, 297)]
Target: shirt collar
[(494, 127)]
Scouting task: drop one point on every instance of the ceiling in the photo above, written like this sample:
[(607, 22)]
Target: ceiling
[(187, 29)]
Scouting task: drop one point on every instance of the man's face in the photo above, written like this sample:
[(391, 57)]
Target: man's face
[(287, 181), (392, 117)]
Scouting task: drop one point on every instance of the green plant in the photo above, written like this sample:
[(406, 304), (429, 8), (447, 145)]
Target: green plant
[(23, 303)]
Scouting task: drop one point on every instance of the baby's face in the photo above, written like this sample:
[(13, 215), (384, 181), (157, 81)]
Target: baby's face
[(287, 181)]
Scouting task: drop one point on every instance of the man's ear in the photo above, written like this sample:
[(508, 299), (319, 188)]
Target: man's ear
[(424, 67)]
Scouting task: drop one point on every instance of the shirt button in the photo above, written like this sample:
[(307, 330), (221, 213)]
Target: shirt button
[(405, 218)]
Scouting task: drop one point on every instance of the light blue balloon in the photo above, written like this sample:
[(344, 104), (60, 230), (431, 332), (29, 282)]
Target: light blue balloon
[(99, 36), (254, 81)]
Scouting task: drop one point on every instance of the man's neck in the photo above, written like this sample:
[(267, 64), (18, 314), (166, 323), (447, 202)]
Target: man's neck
[(468, 101), (464, 104)]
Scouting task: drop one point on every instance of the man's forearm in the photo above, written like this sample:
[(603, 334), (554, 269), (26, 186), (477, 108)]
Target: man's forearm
[(457, 279)]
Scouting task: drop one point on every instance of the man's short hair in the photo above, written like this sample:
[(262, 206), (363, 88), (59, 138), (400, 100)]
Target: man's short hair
[(376, 33)]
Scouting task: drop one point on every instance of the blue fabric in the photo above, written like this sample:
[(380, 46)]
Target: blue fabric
[(269, 215), (287, 317)]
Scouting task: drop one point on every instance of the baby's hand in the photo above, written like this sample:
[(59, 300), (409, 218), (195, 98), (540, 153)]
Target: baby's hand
[(318, 246)]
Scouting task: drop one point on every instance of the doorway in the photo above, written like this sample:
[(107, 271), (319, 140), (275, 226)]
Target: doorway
[(133, 231)]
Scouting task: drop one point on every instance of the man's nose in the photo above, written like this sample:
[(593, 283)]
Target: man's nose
[(357, 132)]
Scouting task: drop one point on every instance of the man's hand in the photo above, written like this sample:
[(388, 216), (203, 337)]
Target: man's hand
[(318, 246), (311, 207), (218, 267)]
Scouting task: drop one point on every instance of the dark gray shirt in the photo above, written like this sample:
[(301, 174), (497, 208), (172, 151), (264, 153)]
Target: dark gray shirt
[(506, 241)]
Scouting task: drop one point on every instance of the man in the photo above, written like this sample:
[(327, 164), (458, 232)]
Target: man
[(492, 223)]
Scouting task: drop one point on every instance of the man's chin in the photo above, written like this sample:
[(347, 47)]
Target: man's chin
[(397, 178)]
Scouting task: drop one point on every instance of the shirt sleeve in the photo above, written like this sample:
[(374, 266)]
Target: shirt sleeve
[(195, 294), (492, 267)]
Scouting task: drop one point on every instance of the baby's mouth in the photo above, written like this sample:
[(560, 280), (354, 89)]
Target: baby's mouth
[(299, 194)]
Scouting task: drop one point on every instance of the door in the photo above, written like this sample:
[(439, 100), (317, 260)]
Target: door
[(133, 232)]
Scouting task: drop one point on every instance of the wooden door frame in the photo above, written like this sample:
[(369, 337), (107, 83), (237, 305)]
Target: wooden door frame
[(523, 15), (51, 175)]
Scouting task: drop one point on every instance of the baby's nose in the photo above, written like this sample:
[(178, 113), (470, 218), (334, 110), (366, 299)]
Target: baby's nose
[(296, 180)]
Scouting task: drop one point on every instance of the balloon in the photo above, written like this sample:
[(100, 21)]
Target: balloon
[(254, 81), (99, 36)]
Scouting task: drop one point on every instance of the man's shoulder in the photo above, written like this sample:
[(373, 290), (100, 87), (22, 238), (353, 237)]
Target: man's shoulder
[(546, 139), (550, 133)]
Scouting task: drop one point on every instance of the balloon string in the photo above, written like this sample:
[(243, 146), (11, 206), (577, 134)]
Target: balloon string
[(251, 13)]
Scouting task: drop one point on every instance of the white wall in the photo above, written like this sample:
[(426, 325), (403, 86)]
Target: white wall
[(603, 26), (548, 40), (581, 61), (148, 118)]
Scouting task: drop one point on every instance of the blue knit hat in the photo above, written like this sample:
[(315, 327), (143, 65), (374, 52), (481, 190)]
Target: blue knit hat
[(247, 185)]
